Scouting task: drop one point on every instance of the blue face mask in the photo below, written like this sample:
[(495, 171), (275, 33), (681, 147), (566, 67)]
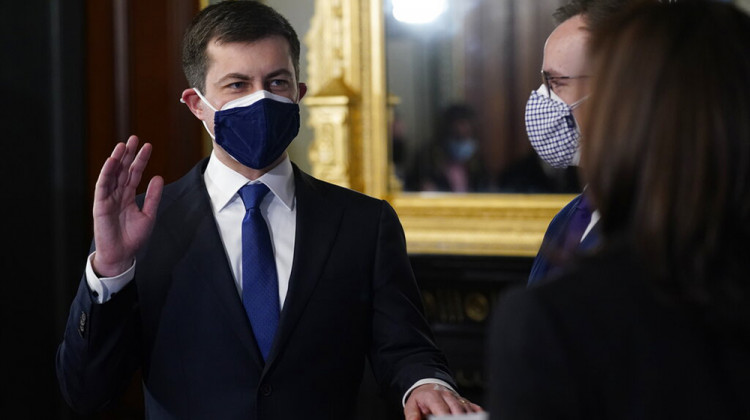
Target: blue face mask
[(461, 150), (255, 129)]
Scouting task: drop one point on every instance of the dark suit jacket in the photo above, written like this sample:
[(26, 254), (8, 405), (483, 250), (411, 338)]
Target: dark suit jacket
[(599, 343), (351, 294), (551, 257)]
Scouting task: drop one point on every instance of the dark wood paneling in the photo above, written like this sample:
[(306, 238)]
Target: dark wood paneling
[(135, 81), (505, 70), (459, 294)]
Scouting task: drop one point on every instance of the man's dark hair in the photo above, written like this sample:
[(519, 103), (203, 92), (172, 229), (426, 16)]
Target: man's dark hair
[(232, 21), (594, 11)]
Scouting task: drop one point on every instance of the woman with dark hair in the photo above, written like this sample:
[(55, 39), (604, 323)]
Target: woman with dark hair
[(656, 324)]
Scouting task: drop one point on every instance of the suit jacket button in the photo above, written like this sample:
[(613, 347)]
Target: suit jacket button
[(82, 324), (266, 390)]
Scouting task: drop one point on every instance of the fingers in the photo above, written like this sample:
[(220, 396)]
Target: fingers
[(125, 165), (107, 180), (460, 405), (153, 196), (136, 164), (131, 146), (432, 399), (456, 405), (475, 408), (412, 412), (124, 168), (449, 402)]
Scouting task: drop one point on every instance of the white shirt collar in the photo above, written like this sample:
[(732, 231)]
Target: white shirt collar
[(223, 183)]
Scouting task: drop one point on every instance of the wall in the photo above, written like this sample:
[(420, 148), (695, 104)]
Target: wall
[(44, 193), (299, 14)]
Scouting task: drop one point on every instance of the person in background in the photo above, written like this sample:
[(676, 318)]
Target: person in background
[(655, 323), (453, 161), (552, 114), (247, 289)]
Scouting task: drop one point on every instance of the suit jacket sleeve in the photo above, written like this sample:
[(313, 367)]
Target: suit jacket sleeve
[(403, 350), (98, 356), (529, 372)]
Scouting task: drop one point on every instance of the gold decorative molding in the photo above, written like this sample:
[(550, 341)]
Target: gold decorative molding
[(476, 224), (349, 111), (332, 118)]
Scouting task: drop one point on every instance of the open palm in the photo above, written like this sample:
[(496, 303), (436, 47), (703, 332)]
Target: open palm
[(120, 226)]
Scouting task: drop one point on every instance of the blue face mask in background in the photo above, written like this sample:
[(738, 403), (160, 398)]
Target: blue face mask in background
[(255, 129), (461, 150)]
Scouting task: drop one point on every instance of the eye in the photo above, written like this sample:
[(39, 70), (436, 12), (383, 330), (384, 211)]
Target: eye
[(556, 83), (236, 85), (278, 84)]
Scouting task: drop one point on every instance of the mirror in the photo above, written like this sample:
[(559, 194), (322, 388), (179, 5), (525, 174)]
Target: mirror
[(457, 122), (352, 111)]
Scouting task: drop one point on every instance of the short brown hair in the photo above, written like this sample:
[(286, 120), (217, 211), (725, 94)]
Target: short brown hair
[(666, 153), (232, 21), (595, 12)]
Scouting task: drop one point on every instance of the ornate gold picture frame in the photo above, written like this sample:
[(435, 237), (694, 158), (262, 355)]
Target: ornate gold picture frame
[(349, 111)]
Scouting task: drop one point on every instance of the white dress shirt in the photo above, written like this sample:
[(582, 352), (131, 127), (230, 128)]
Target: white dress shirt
[(595, 216), (277, 208), (223, 184)]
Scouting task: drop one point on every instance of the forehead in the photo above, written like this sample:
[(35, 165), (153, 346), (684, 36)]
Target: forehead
[(256, 58), (565, 49)]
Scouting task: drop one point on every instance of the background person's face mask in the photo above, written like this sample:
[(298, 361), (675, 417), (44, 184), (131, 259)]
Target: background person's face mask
[(461, 150), (552, 129), (255, 129)]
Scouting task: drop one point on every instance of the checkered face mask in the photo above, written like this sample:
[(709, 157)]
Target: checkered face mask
[(552, 130)]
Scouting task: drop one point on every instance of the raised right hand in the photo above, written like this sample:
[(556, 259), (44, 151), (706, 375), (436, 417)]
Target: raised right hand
[(120, 227)]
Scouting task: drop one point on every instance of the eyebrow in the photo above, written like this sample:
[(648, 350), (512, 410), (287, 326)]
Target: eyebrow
[(232, 76), (279, 72), (244, 77)]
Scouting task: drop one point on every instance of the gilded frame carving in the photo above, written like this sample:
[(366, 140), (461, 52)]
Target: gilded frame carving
[(349, 110)]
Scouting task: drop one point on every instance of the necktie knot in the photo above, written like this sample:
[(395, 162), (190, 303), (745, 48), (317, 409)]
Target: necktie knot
[(252, 195)]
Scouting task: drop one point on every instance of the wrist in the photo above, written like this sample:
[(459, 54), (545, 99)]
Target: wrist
[(102, 269)]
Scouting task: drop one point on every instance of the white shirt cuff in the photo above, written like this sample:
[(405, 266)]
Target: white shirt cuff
[(422, 382), (104, 287)]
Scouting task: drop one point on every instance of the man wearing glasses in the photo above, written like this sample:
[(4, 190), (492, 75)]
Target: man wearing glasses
[(551, 125)]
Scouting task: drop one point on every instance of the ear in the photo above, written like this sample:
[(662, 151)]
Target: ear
[(193, 101), (302, 90)]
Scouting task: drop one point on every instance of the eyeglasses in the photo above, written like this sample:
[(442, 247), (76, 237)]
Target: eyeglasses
[(550, 80)]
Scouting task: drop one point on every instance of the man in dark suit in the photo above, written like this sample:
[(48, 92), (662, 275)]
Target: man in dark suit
[(169, 287), (551, 123)]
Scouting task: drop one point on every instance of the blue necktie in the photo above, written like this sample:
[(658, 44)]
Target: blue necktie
[(260, 287)]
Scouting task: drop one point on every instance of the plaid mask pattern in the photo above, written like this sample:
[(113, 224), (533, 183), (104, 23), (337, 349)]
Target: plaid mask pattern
[(551, 128)]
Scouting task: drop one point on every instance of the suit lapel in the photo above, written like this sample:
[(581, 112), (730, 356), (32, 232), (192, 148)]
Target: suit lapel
[(205, 261), (318, 221), (592, 239)]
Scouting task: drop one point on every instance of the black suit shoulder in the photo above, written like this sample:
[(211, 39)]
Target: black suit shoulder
[(599, 341), (332, 191)]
